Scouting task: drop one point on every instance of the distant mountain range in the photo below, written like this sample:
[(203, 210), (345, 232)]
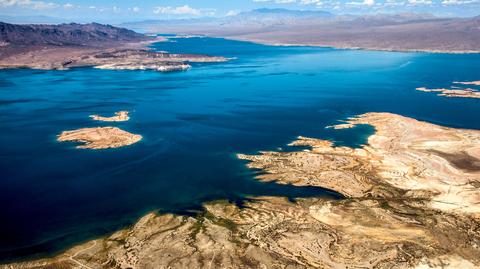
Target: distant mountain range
[(31, 19), (64, 34), (403, 32), (280, 13), (256, 17), (266, 17)]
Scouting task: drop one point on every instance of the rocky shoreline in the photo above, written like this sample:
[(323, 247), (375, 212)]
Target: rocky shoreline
[(347, 47), (123, 58), (65, 46), (101, 137), (412, 202), (456, 91), (119, 116)]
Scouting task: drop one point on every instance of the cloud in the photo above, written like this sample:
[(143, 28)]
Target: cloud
[(419, 2), (135, 9), (182, 10), (311, 2), (364, 3), (28, 4), (393, 3), (277, 1), (458, 2), (232, 12)]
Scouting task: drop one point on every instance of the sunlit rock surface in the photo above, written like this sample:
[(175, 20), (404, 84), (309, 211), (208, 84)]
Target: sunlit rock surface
[(100, 137), (119, 116), (124, 58), (412, 202), (456, 91), (476, 83), (464, 93)]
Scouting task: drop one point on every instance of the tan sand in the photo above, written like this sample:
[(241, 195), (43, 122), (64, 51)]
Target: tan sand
[(119, 116), (100, 137)]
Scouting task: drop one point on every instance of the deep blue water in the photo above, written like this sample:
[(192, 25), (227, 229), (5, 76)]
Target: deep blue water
[(193, 123)]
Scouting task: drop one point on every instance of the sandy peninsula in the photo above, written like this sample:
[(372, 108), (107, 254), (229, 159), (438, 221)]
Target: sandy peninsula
[(412, 202), (123, 58), (459, 93), (119, 116), (404, 153), (456, 91), (100, 137), (476, 83)]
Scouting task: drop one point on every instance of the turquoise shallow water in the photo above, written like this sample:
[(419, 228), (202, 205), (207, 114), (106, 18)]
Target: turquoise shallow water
[(193, 123)]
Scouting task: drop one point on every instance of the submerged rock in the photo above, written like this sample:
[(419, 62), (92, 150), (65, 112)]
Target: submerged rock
[(100, 137)]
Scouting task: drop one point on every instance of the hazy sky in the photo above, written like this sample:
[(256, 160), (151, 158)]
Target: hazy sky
[(120, 10)]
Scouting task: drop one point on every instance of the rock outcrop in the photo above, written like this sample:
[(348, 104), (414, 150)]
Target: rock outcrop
[(100, 137), (119, 116), (66, 34), (412, 202), (76, 45)]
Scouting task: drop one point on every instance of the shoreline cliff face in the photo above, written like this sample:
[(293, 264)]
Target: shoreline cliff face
[(412, 202)]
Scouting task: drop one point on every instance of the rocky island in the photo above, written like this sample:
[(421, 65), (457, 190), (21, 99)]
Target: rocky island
[(100, 137), (119, 116), (412, 201), (66, 46), (476, 83), (456, 91)]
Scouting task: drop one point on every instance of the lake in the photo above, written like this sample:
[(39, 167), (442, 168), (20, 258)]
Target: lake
[(53, 195)]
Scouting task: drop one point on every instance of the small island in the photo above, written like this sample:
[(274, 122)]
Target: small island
[(411, 194), (119, 116), (100, 137), (476, 83), (456, 91)]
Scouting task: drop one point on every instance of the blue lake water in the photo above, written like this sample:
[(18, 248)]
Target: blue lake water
[(193, 123)]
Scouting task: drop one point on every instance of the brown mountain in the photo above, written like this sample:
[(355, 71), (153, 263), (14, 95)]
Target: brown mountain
[(446, 35), (403, 32), (66, 46), (65, 34)]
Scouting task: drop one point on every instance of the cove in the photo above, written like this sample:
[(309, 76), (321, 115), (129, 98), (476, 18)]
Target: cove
[(193, 123)]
